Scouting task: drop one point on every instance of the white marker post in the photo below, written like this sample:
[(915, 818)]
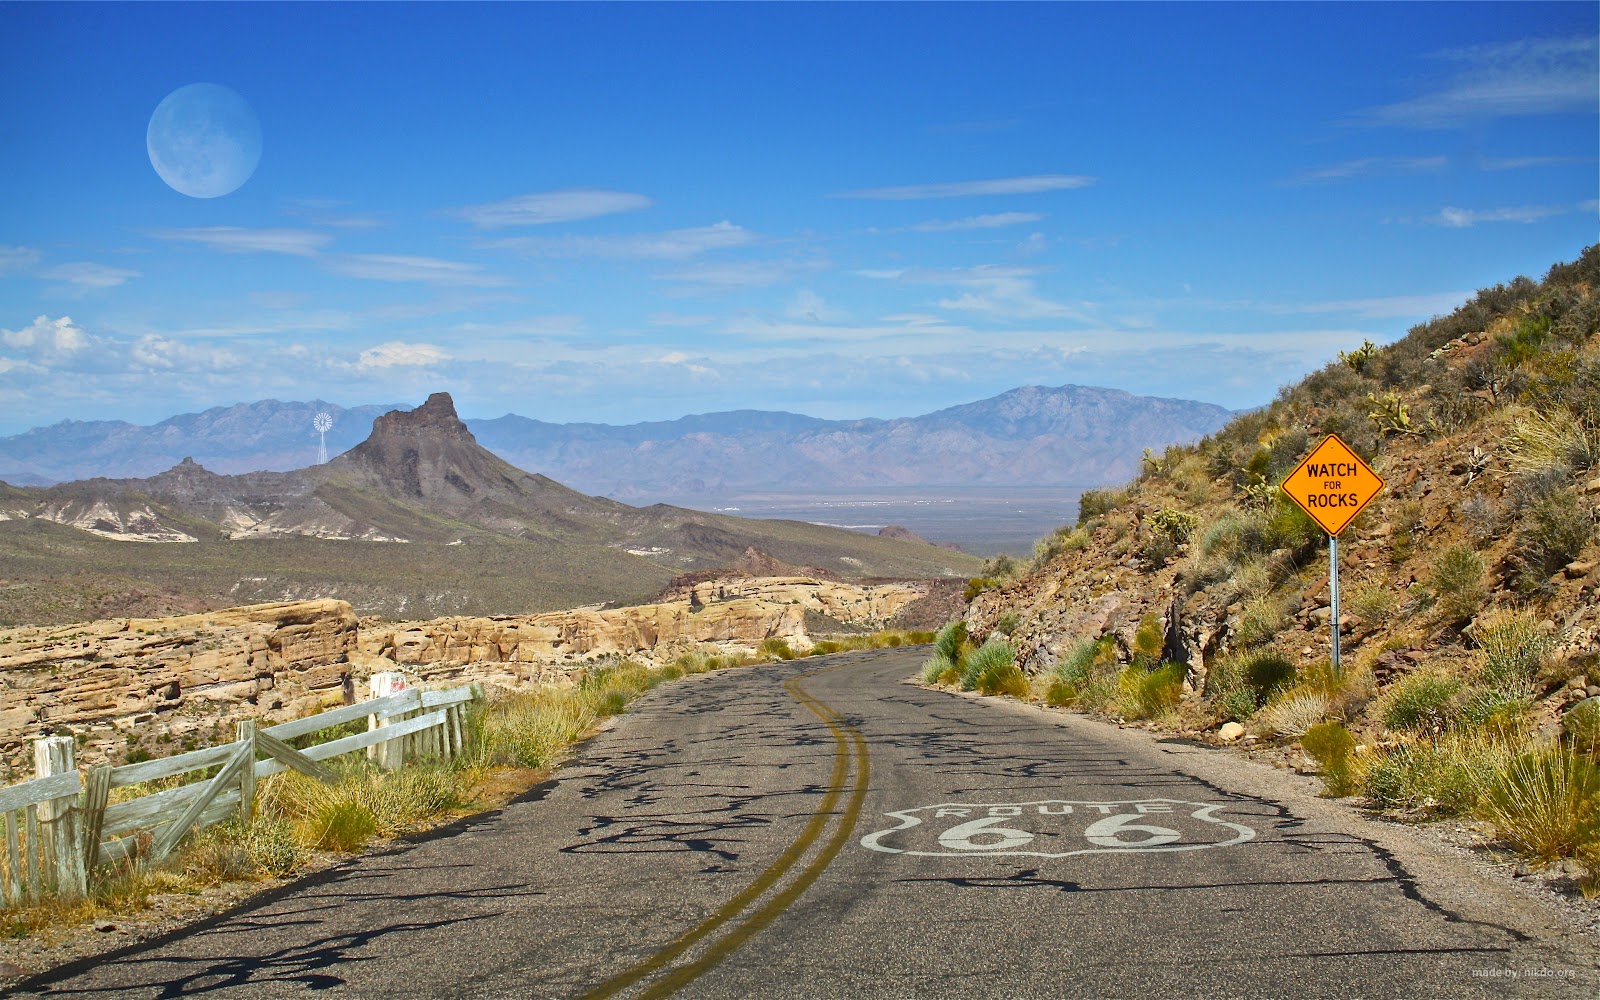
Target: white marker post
[(1333, 596)]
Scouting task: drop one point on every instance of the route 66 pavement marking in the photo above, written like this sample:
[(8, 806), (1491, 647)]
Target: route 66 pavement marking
[(1057, 828)]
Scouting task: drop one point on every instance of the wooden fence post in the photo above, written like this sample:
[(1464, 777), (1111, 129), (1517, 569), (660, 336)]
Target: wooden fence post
[(58, 818), (246, 732), (96, 793), (390, 755)]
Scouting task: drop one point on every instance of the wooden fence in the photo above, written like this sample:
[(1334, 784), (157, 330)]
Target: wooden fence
[(60, 826)]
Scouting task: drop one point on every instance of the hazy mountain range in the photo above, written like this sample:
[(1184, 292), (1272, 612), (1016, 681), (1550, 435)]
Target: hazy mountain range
[(461, 530), (1068, 435)]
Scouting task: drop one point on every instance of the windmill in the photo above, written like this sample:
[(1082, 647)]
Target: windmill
[(323, 422)]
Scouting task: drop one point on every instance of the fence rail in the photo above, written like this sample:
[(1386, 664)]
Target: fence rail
[(60, 825)]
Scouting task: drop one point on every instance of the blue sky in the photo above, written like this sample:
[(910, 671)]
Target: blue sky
[(629, 212)]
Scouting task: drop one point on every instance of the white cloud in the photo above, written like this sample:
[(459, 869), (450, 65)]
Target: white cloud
[(1464, 218), (46, 338), (552, 206), (1534, 76), (16, 259), (693, 366), (675, 244), (398, 267), (233, 239), (316, 321), (966, 189), (1003, 292), (1370, 166), (998, 220), (86, 274), (154, 352), (396, 354)]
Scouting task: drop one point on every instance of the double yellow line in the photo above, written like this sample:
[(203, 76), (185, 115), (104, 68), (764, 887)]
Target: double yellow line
[(847, 743)]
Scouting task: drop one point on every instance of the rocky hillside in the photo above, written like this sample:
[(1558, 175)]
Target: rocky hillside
[(474, 534), (1470, 616), (1068, 435)]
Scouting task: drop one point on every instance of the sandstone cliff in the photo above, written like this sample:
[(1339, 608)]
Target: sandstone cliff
[(184, 679)]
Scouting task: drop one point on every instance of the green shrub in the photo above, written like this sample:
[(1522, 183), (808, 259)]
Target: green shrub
[(1499, 710), (1331, 746), (1545, 803), (1177, 525), (1372, 604), (1457, 583), (1552, 533), (1358, 359), (992, 669), (1059, 542), (1524, 342), (978, 585), (1144, 694), (950, 640), (1223, 535), (1238, 705), (1087, 675), (1262, 619), (1290, 527), (949, 645), (1007, 623), (1059, 692), (775, 648), (1267, 672), (1420, 702), (1581, 726), (1515, 647), (1447, 774), (1097, 503), (1149, 639)]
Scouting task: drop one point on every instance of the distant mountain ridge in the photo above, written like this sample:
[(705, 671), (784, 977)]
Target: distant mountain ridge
[(463, 530), (1066, 435)]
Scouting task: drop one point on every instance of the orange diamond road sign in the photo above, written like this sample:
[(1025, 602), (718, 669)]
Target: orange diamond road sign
[(1333, 484)]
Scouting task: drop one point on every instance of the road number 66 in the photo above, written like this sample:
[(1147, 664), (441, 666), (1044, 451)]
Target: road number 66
[(981, 834)]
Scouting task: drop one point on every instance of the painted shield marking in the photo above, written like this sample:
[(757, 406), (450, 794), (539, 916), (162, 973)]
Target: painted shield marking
[(1056, 828)]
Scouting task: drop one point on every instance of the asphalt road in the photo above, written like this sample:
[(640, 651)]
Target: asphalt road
[(824, 829)]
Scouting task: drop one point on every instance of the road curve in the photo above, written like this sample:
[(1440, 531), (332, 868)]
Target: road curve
[(823, 828)]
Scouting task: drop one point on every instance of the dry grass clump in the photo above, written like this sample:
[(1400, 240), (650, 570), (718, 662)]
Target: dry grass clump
[(1293, 714), (1144, 693), (1446, 774), (1545, 803), (992, 669)]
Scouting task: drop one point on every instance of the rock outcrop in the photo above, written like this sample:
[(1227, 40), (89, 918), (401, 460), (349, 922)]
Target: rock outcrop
[(188, 677), (177, 674)]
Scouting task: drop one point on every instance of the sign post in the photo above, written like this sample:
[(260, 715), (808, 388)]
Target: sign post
[(1333, 485)]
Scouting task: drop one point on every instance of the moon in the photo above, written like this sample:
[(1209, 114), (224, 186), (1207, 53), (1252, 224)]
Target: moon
[(204, 140)]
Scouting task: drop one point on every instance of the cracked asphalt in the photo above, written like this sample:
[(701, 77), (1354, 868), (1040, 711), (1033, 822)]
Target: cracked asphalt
[(822, 828)]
